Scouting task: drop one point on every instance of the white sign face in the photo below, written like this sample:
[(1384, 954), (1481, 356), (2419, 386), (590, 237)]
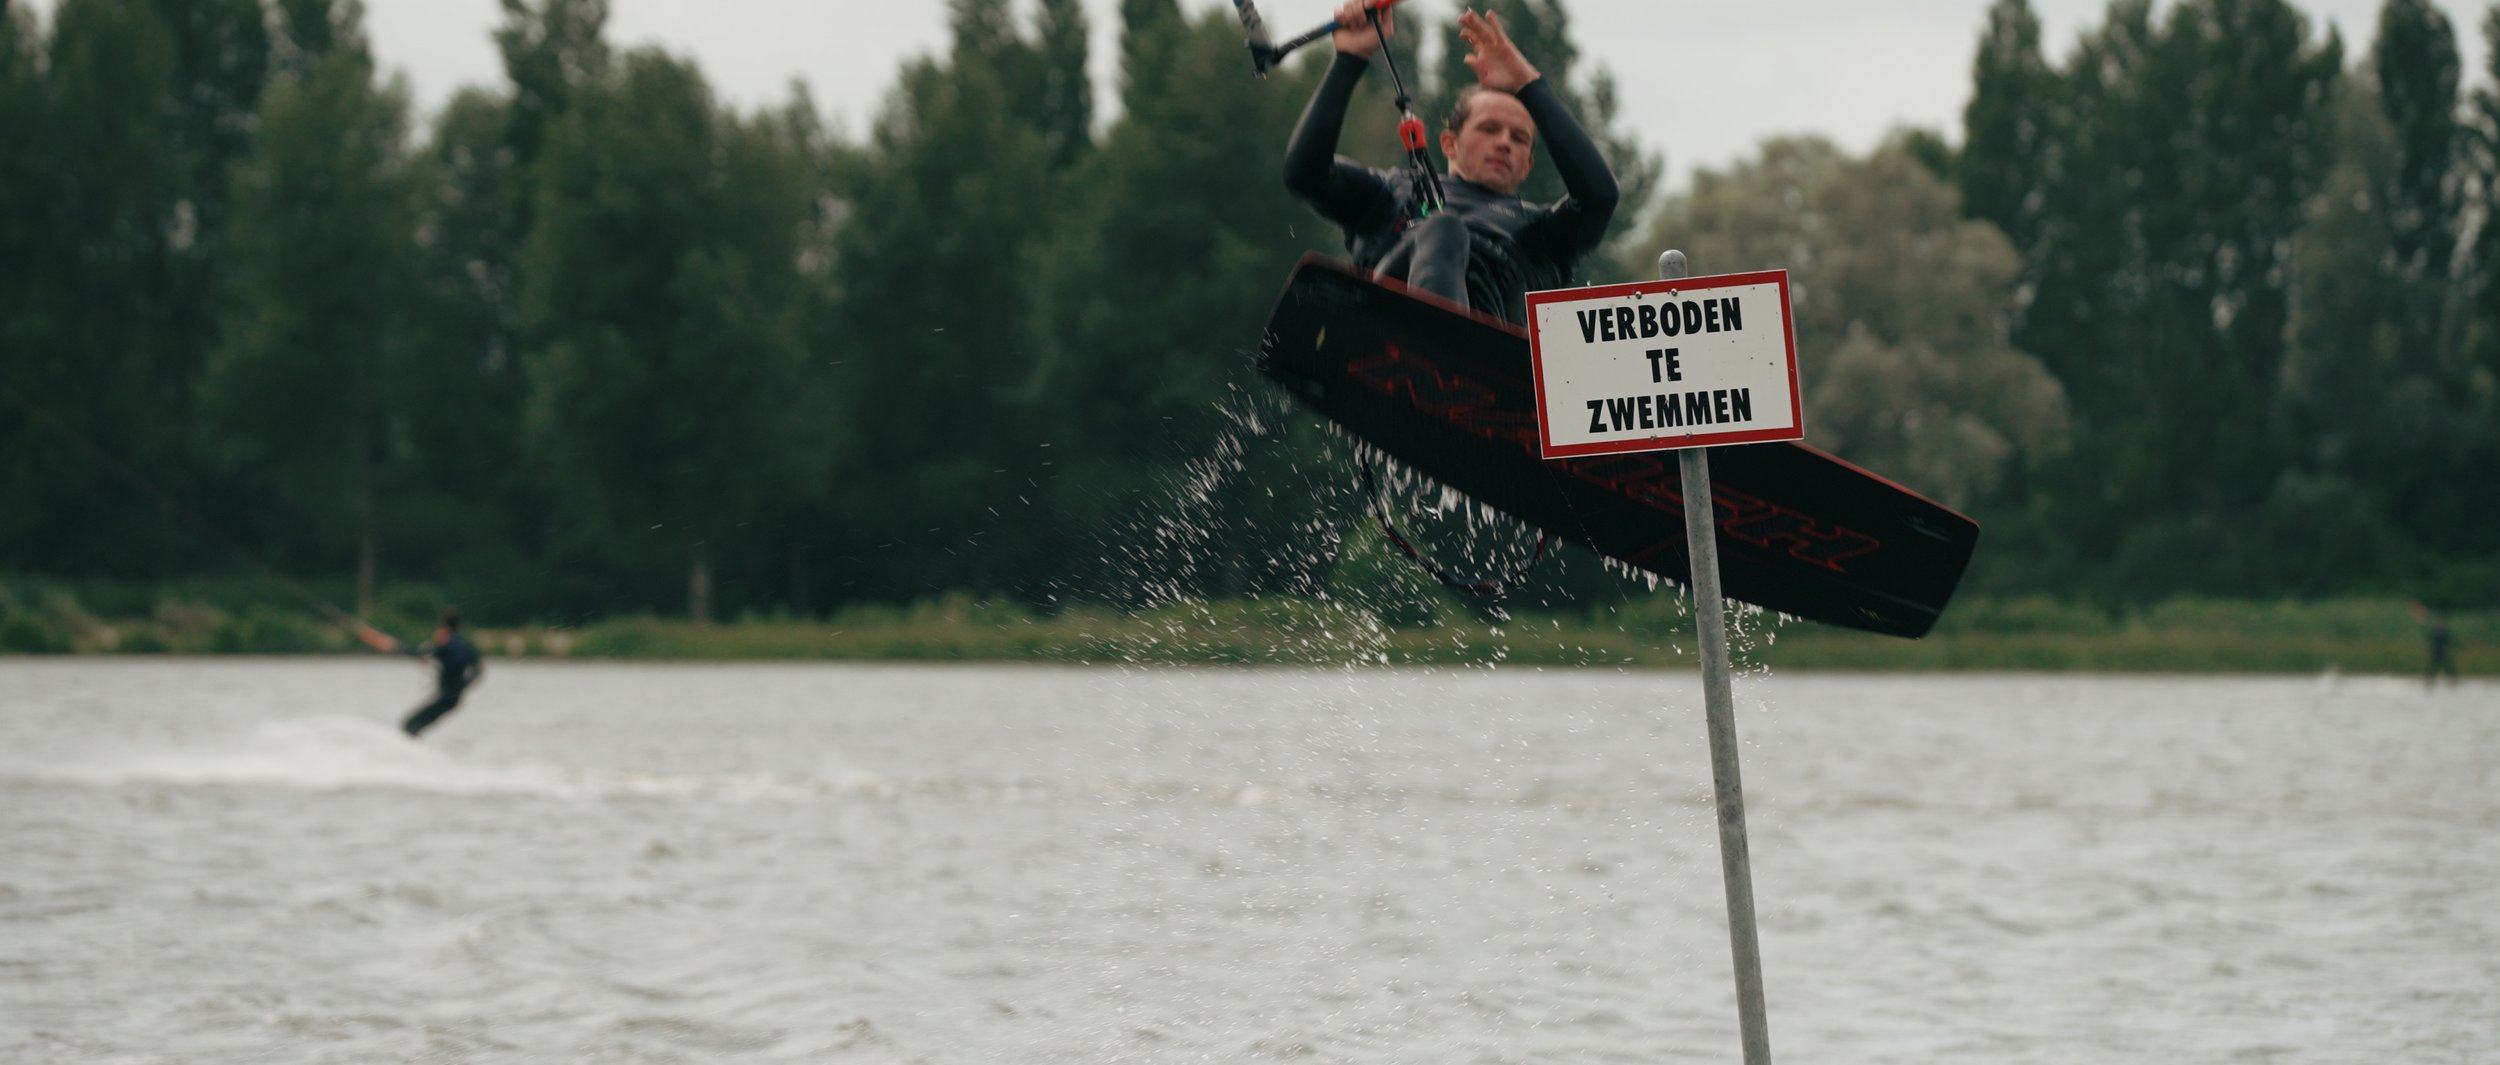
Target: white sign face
[(1658, 365)]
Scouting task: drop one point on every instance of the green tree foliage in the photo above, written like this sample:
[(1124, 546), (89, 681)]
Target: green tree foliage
[(2006, 125), (25, 238), (2182, 160), (2483, 271), (221, 65), (1147, 31), (1901, 309), (934, 270), (103, 358), (464, 410), (25, 178), (2417, 70), (1149, 301), (309, 30), (1062, 94), (2217, 217), (298, 394), (2467, 469), (473, 177), (22, 170), (475, 512), (550, 51), (2376, 377), (1043, 76), (2344, 350), (661, 279)]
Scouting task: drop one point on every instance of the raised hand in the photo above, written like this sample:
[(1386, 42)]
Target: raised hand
[(1354, 35), (1496, 61)]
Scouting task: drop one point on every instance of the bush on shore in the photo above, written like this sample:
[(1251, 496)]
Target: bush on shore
[(2183, 635)]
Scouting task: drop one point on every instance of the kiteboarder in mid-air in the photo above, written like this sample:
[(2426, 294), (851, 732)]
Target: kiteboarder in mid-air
[(1416, 349), (1482, 247), (456, 668)]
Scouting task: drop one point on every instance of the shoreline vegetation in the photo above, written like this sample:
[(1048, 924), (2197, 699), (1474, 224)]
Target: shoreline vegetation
[(2356, 636)]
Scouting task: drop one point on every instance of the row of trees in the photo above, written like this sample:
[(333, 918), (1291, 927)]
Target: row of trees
[(2269, 281), (592, 342)]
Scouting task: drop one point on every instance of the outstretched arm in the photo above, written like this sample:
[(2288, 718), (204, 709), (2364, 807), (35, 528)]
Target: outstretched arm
[(375, 638), (1585, 175), (1342, 190)]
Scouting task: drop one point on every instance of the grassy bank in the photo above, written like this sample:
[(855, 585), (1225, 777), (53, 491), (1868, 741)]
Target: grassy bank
[(2352, 636)]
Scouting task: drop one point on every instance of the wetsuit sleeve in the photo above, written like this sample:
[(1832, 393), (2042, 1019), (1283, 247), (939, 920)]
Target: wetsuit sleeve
[(1579, 221), (1340, 189)]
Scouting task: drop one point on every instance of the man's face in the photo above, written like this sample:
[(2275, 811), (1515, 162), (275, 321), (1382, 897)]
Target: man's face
[(1492, 149)]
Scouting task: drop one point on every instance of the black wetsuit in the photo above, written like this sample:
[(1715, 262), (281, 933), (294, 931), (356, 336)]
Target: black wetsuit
[(2443, 648), (456, 665), (1488, 249)]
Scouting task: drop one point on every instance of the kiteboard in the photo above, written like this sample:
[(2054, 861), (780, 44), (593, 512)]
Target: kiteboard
[(1448, 394)]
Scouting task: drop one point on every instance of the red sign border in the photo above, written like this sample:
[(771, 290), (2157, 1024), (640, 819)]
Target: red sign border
[(1536, 363)]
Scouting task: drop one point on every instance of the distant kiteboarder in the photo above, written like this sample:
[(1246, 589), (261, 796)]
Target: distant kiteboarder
[(1470, 240), (456, 664), (2442, 644)]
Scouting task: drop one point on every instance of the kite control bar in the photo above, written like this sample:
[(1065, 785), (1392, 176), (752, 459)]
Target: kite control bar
[(1265, 53), (374, 638)]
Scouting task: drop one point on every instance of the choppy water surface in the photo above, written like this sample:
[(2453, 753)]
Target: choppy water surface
[(240, 861)]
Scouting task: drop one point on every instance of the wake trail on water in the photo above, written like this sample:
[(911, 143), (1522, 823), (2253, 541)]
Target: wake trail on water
[(327, 752), (346, 753)]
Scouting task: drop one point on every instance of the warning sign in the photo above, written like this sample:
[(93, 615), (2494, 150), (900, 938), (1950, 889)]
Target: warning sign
[(1658, 365)]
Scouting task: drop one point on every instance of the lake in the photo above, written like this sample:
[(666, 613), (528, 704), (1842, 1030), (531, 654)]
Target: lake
[(241, 860)]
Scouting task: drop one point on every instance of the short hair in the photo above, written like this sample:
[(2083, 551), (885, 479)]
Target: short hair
[(451, 618), (1465, 105)]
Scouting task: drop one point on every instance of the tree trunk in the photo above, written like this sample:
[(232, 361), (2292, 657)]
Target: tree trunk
[(802, 601), (699, 585), (366, 537)]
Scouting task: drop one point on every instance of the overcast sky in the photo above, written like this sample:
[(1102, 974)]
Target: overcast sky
[(1702, 81)]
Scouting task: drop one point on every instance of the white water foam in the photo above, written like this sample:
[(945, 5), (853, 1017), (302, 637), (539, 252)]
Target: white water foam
[(316, 753), (342, 752)]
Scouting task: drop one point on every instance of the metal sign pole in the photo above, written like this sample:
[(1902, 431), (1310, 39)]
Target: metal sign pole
[(1701, 534)]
